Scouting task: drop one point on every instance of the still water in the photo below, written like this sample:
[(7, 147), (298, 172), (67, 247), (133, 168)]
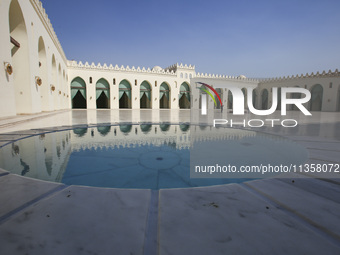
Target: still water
[(138, 156)]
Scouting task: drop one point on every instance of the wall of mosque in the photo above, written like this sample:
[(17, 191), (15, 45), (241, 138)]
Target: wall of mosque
[(37, 77), (324, 88), (34, 67)]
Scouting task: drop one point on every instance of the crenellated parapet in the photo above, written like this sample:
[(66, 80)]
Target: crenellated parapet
[(37, 5), (323, 74), (116, 68), (226, 77), (177, 66)]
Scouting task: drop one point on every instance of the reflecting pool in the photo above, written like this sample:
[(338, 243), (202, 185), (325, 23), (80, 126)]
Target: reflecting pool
[(143, 156)]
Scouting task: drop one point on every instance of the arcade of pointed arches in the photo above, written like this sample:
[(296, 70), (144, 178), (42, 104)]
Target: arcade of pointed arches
[(79, 87)]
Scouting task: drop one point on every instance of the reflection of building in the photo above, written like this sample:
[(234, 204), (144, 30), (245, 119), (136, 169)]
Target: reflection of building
[(36, 75), (46, 156), (176, 136), (43, 157)]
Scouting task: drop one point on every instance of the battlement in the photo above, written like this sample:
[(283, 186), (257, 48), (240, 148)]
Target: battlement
[(226, 77), (93, 66), (177, 66), (324, 74), (37, 5)]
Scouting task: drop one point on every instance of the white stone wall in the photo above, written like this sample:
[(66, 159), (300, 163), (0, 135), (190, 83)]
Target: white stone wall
[(19, 93), (330, 83)]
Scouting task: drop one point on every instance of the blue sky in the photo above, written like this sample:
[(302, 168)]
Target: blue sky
[(254, 38)]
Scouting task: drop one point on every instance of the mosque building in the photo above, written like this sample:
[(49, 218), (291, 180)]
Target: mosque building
[(37, 77)]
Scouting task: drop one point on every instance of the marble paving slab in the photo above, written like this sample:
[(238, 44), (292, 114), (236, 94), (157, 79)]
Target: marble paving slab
[(316, 186), (333, 156), (16, 191), (80, 220), (327, 146), (231, 220), (329, 176), (316, 209), (312, 139)]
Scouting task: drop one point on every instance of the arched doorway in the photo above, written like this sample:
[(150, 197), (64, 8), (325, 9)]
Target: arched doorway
[(244, 91), (54, 82), (59, 90), (316, 100), (102, 94), (145, 95), (220, 93), (124, 94), (20, 59), (164, 96), (264, 99), (184, 96), (78, 93), (278, 107), (230, 100), (45, 92), (295, 96), (254, 98), (201, 92), (64, 102)]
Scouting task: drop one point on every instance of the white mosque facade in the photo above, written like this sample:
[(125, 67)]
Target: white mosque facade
[(37, 77)]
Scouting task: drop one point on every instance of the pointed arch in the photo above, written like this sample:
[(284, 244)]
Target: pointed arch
[(316, 98), (184, 96), (43, 73), (244, 91), (254, 95), (102, 94), (78, 93), (125, 94), (218, 103), (145, 95), (164, 96), (54, 81), (58, 93), (230, 100), (295, 96), (20, 59), (278, 99), (264, 99)]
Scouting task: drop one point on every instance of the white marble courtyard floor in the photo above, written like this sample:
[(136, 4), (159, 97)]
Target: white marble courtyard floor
[(272, 216)]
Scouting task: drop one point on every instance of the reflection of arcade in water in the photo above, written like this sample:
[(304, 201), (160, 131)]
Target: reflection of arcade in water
[(42, 157), (178, 136), (46, 156)]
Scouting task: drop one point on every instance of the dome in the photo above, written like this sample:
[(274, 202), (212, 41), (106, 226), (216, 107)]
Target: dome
[(157, 68), (242, 76)]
